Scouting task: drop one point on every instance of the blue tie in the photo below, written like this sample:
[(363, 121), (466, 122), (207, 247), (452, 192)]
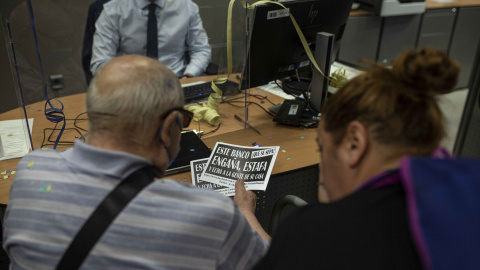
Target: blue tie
[(152, 32)]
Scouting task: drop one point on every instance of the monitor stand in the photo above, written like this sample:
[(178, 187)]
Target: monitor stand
[(323, 57), (294, 112)]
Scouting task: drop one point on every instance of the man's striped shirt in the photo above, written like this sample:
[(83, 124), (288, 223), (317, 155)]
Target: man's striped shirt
[(169, 225)]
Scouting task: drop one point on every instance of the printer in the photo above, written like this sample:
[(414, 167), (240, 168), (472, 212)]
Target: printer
[(387, 8)]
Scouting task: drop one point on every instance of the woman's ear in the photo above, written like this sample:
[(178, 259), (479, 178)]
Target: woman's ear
[(355, 143), (168, 128)]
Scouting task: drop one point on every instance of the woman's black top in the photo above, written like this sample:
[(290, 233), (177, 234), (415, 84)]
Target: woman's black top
[(366, 230)]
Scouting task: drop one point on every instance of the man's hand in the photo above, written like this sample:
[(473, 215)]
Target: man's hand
[(187, 75), (246, 201), (243, 199)]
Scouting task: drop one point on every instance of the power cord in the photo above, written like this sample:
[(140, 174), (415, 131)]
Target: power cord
[(249, 103), (78, 129), (210, 132), (53, 114)]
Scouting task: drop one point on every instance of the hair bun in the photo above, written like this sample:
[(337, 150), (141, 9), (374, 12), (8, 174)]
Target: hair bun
[(428, 71)]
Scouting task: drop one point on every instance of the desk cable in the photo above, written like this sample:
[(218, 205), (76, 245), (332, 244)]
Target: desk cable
[(231, 102), (53, 114), (47, 141)]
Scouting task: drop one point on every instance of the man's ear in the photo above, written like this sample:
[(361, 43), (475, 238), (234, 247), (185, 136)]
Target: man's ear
[(356, 143), (169, 127)]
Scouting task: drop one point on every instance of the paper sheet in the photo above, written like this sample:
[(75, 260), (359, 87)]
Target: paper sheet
[(229, 162), (198, 167), (15, 138)]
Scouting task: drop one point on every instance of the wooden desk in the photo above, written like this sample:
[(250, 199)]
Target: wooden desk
[(302, 152), (298, 147), (430, 4), (458, 3)]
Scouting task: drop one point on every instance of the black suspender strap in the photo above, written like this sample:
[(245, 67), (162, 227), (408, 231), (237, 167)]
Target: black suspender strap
[(104, 215)]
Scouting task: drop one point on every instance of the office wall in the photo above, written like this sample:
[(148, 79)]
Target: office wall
[(60, 27)]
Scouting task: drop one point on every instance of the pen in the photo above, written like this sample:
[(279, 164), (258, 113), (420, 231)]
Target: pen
[(248, 125)]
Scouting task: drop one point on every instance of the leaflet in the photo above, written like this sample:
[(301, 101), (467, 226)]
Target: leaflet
[(197, 167), (229, 162)]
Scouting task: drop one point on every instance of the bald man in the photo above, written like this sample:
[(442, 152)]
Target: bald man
[(135, 110)]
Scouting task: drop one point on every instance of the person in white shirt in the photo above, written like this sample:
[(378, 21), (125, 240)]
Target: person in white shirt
[(122, 29)]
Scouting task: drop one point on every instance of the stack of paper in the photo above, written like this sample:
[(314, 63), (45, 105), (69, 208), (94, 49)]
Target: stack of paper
[(15, 139)]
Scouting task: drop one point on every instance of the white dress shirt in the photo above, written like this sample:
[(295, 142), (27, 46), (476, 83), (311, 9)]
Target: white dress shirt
[(122, 29)]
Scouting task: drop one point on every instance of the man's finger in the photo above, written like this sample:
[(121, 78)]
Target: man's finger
[(240, 186)]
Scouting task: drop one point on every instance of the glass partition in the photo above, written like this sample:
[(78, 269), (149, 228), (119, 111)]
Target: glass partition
[(47, 54), (230, 101), (242, 107), (43, 44)]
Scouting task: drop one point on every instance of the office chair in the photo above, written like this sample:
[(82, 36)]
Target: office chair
[(94, 11), (4, 260), (301, 182), (283, 208)]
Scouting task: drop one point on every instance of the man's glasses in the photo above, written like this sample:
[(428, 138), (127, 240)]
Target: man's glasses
[(187, 116)]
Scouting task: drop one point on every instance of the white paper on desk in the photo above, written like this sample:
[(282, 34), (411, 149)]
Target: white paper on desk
[(229, 162), (17, 144), (197, 167)]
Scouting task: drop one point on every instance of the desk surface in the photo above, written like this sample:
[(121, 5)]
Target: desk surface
[(296, 145), (431, 4)]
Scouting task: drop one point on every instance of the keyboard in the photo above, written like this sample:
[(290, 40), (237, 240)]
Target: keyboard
[(201, 90)]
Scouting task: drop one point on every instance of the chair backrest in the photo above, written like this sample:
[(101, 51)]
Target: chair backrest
[(4, 260), (94, 11), (283, 208), (301, 182)]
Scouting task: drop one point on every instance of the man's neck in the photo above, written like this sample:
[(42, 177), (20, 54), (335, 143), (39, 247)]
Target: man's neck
[(107, 142)]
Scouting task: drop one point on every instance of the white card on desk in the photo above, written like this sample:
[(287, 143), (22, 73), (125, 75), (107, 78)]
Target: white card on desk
[(15, 139)]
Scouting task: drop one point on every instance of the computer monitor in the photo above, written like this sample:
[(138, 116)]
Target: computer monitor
[(275, 50)]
